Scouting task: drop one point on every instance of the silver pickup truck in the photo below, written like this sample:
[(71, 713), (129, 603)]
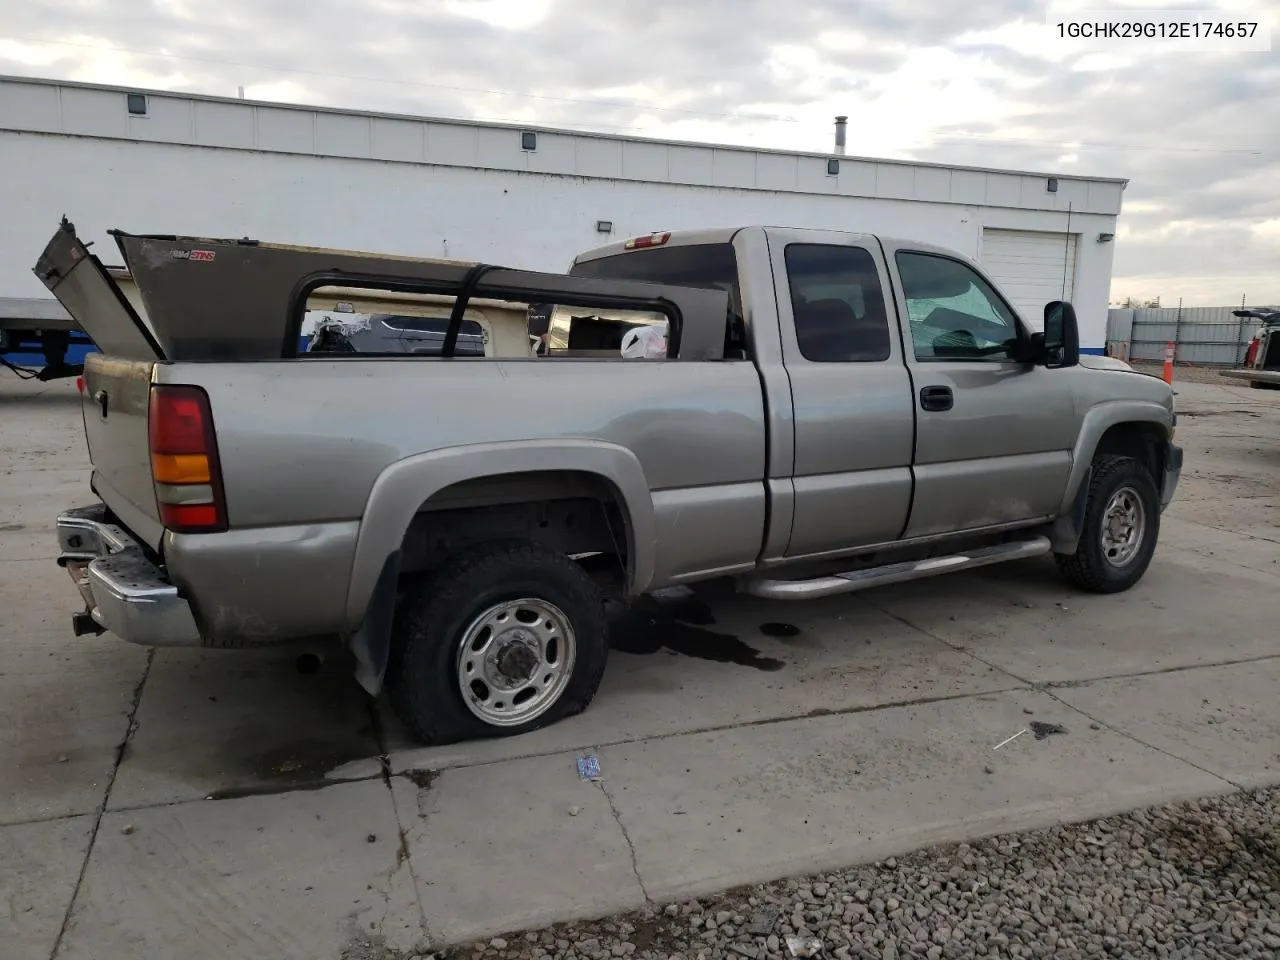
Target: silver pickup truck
[(831, 411)]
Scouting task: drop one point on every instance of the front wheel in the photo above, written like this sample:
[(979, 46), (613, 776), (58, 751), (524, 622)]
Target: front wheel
[(511, 637), (1121, 527)]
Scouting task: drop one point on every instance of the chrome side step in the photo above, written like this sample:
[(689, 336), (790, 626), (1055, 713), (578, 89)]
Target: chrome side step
[(894, 572)]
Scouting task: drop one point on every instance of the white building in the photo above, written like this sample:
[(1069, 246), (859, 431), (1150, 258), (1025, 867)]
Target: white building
[(144, 161)]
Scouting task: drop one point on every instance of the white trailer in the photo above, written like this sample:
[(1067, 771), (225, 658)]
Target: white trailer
[(143, 160)]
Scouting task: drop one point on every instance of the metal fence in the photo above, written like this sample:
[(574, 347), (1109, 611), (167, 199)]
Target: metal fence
[(1202, 336)]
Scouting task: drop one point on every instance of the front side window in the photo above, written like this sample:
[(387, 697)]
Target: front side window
[(954, 313), (837, 303)]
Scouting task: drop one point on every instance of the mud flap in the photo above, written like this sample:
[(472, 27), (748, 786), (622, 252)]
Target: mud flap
[(1068, 528), (371, 644), (1172, 474)]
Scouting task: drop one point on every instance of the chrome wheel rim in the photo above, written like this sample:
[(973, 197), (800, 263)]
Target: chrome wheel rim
[(1124, 525), (515, 660)]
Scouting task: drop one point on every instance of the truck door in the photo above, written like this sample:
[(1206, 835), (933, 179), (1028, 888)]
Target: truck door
[(850, 391), (993, 436)]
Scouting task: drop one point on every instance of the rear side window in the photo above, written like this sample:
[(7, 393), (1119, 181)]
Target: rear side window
[(706, 265), (838, 304)]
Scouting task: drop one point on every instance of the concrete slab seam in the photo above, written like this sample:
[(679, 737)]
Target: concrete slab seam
[(1138, 674), (720, 728), (402, 849), (1026, 684), (121, 751), (1138, 740), (1047, 690), (1205, 553), (384, 760), (1238, 533), (1048, 685), (304, 787), (626, 836)]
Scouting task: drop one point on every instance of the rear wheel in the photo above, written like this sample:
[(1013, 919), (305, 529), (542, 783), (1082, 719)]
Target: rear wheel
[(511, 637), (1121, 528)]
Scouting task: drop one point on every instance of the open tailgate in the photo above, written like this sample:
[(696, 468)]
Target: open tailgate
[(81, 283), (117, 382)]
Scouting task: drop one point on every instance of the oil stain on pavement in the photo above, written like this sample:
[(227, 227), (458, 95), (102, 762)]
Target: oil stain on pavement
[(676, 621)]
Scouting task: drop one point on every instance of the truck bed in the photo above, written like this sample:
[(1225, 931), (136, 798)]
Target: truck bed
[(693, 433)]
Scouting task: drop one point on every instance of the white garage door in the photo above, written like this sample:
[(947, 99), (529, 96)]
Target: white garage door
[(1028, 265)]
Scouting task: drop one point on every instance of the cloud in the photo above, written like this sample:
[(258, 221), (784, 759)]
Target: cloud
[(983, 82)]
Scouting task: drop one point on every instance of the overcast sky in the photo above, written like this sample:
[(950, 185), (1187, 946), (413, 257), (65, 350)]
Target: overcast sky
[(958, 81)]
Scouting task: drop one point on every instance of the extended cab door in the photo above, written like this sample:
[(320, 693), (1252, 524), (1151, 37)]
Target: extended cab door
[(849, 388), (993, 436)]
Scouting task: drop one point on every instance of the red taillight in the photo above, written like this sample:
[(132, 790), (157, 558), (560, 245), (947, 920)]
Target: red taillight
[(177, 421), (1251, 354), (652, 240), (184, 460), (190, 517)]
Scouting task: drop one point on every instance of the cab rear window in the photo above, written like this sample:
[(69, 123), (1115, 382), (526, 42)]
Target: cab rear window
[(706, 265)]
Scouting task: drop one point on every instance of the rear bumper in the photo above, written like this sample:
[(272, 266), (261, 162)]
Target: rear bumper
[(1172, 474), (124, 592)]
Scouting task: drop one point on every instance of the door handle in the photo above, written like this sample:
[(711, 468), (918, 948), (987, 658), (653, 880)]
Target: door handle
[(936, 398)]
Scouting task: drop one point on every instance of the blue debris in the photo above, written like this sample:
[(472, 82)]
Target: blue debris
[(589, 767)]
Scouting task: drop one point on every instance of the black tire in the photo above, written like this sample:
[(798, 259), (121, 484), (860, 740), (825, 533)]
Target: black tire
[(434, 616), (1089, 568)]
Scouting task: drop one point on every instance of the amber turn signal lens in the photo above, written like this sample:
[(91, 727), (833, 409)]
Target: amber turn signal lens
[(180, 468)]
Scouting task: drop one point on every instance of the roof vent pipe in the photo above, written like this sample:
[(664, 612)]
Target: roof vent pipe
[(841, 124)]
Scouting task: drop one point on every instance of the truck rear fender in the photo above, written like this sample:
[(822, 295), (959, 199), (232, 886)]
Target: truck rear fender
[(402, 489), (1130, 427)]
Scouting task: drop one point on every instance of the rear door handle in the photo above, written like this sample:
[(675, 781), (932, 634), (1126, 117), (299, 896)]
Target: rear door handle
[(936, 398)]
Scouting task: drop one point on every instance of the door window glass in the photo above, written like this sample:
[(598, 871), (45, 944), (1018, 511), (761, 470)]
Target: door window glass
[(954, 313)]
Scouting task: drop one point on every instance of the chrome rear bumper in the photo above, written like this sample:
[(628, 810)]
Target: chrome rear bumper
[(123, 591)]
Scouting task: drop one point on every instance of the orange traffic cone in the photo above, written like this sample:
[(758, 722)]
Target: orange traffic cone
[(1168, 362)]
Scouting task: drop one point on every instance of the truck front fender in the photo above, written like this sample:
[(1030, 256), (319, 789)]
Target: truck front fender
[(402, 488), (1097, 421)]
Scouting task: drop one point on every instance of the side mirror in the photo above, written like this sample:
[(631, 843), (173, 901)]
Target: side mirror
[(1061, 335)]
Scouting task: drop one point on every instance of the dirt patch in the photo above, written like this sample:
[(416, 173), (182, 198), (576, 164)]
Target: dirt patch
[(422, 779)]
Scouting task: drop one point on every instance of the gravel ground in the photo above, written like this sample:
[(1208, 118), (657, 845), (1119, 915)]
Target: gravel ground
[(1193, 880)]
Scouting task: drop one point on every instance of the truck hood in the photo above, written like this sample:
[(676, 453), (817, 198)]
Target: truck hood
[(1094, 362)]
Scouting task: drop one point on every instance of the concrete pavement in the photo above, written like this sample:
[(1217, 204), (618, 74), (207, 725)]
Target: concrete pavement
[(739, 740)]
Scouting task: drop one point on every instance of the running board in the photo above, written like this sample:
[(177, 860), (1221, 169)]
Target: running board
[(894, 572)]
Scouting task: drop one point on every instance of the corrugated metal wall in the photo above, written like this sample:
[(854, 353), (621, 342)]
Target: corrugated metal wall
[(1207, 336)]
